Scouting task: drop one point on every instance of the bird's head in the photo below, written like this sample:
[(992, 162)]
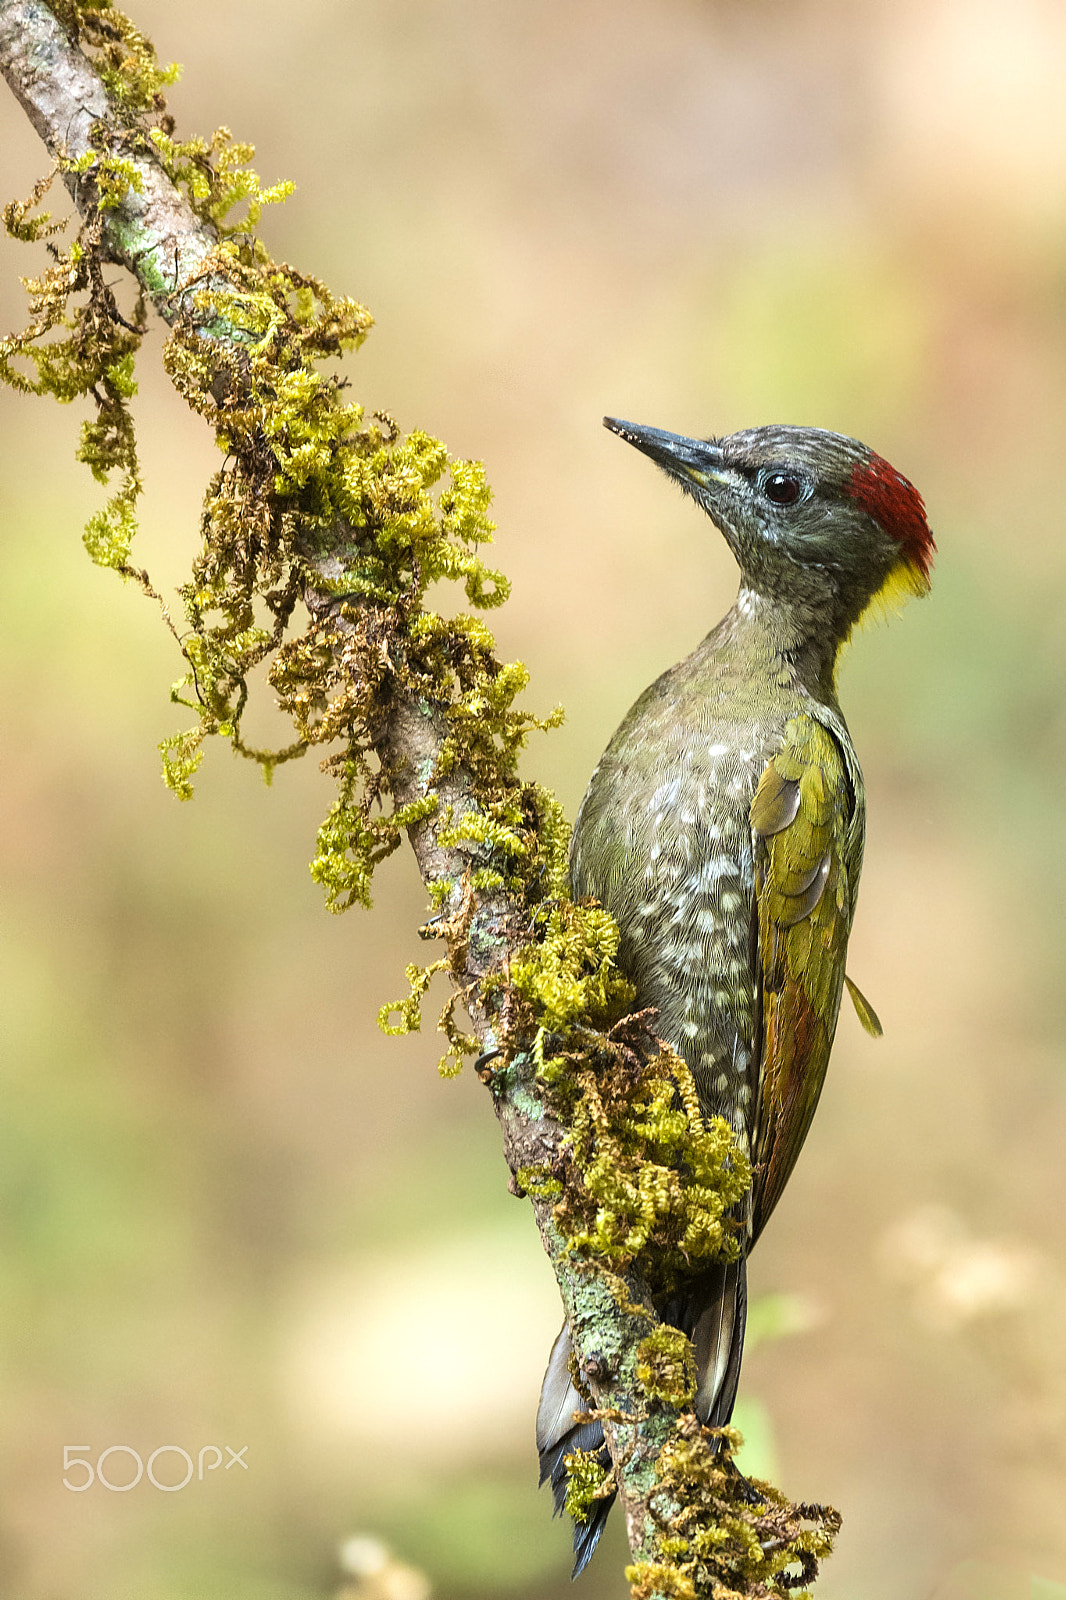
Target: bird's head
[(814, 519)]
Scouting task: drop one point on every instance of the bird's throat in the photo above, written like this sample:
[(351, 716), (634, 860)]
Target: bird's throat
[(782, 639)]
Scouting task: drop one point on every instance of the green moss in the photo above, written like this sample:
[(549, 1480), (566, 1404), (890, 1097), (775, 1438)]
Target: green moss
[(78, 345), (648, 1179), (587, 1480), (409, 1011), (730, 1538), (648, 1580), (644, 1177), (216, 176), (568, 975), (124, 58), (112, 177), (666, 1367), (539, 1181), (313, 497)]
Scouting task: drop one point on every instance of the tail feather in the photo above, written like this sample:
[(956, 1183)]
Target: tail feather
[(587, 1533), (712, 1313), (558, 1397), (558, 1436)]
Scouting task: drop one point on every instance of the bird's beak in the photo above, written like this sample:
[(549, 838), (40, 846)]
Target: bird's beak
[(698, 461)]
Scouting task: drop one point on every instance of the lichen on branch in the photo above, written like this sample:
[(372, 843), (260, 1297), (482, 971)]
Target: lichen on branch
[(312, 496)]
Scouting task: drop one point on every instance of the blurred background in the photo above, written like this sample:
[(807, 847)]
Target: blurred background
[(233, 1215)]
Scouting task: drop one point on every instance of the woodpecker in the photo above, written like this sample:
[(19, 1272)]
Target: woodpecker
[(723, 829)]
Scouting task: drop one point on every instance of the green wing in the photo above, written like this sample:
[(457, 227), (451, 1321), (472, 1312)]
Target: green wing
[(807, 823)]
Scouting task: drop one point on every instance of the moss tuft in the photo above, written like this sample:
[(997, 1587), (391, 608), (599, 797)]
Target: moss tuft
[(654, 1580), (409, 1011), (730, 1538), (568, 975), (124, 58), (78, 345), (666, 1367), (587, 1480), (650, 1180)]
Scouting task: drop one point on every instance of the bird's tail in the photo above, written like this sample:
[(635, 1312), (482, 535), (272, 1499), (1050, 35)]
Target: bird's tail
[(558, 1436), (711, 1312)]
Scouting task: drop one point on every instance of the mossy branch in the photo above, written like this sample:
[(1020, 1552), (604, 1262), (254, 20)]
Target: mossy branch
[(321, 534)]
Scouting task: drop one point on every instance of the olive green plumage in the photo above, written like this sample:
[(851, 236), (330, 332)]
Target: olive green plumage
[(723, 829), (807, 823)]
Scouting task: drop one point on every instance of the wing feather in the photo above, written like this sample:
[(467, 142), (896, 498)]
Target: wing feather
[(808, 842)]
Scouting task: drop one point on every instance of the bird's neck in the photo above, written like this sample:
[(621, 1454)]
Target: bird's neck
[(778, 634)]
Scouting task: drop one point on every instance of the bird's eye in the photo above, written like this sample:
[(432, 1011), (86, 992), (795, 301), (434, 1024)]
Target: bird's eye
[(782, 488)]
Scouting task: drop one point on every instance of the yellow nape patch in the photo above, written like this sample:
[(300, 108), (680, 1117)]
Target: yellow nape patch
[(904, 581)]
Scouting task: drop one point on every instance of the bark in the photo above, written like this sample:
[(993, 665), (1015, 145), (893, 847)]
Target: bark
[(154, 232)]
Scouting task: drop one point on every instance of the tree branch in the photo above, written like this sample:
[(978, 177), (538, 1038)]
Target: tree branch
[(423, 707), (154, 232)]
